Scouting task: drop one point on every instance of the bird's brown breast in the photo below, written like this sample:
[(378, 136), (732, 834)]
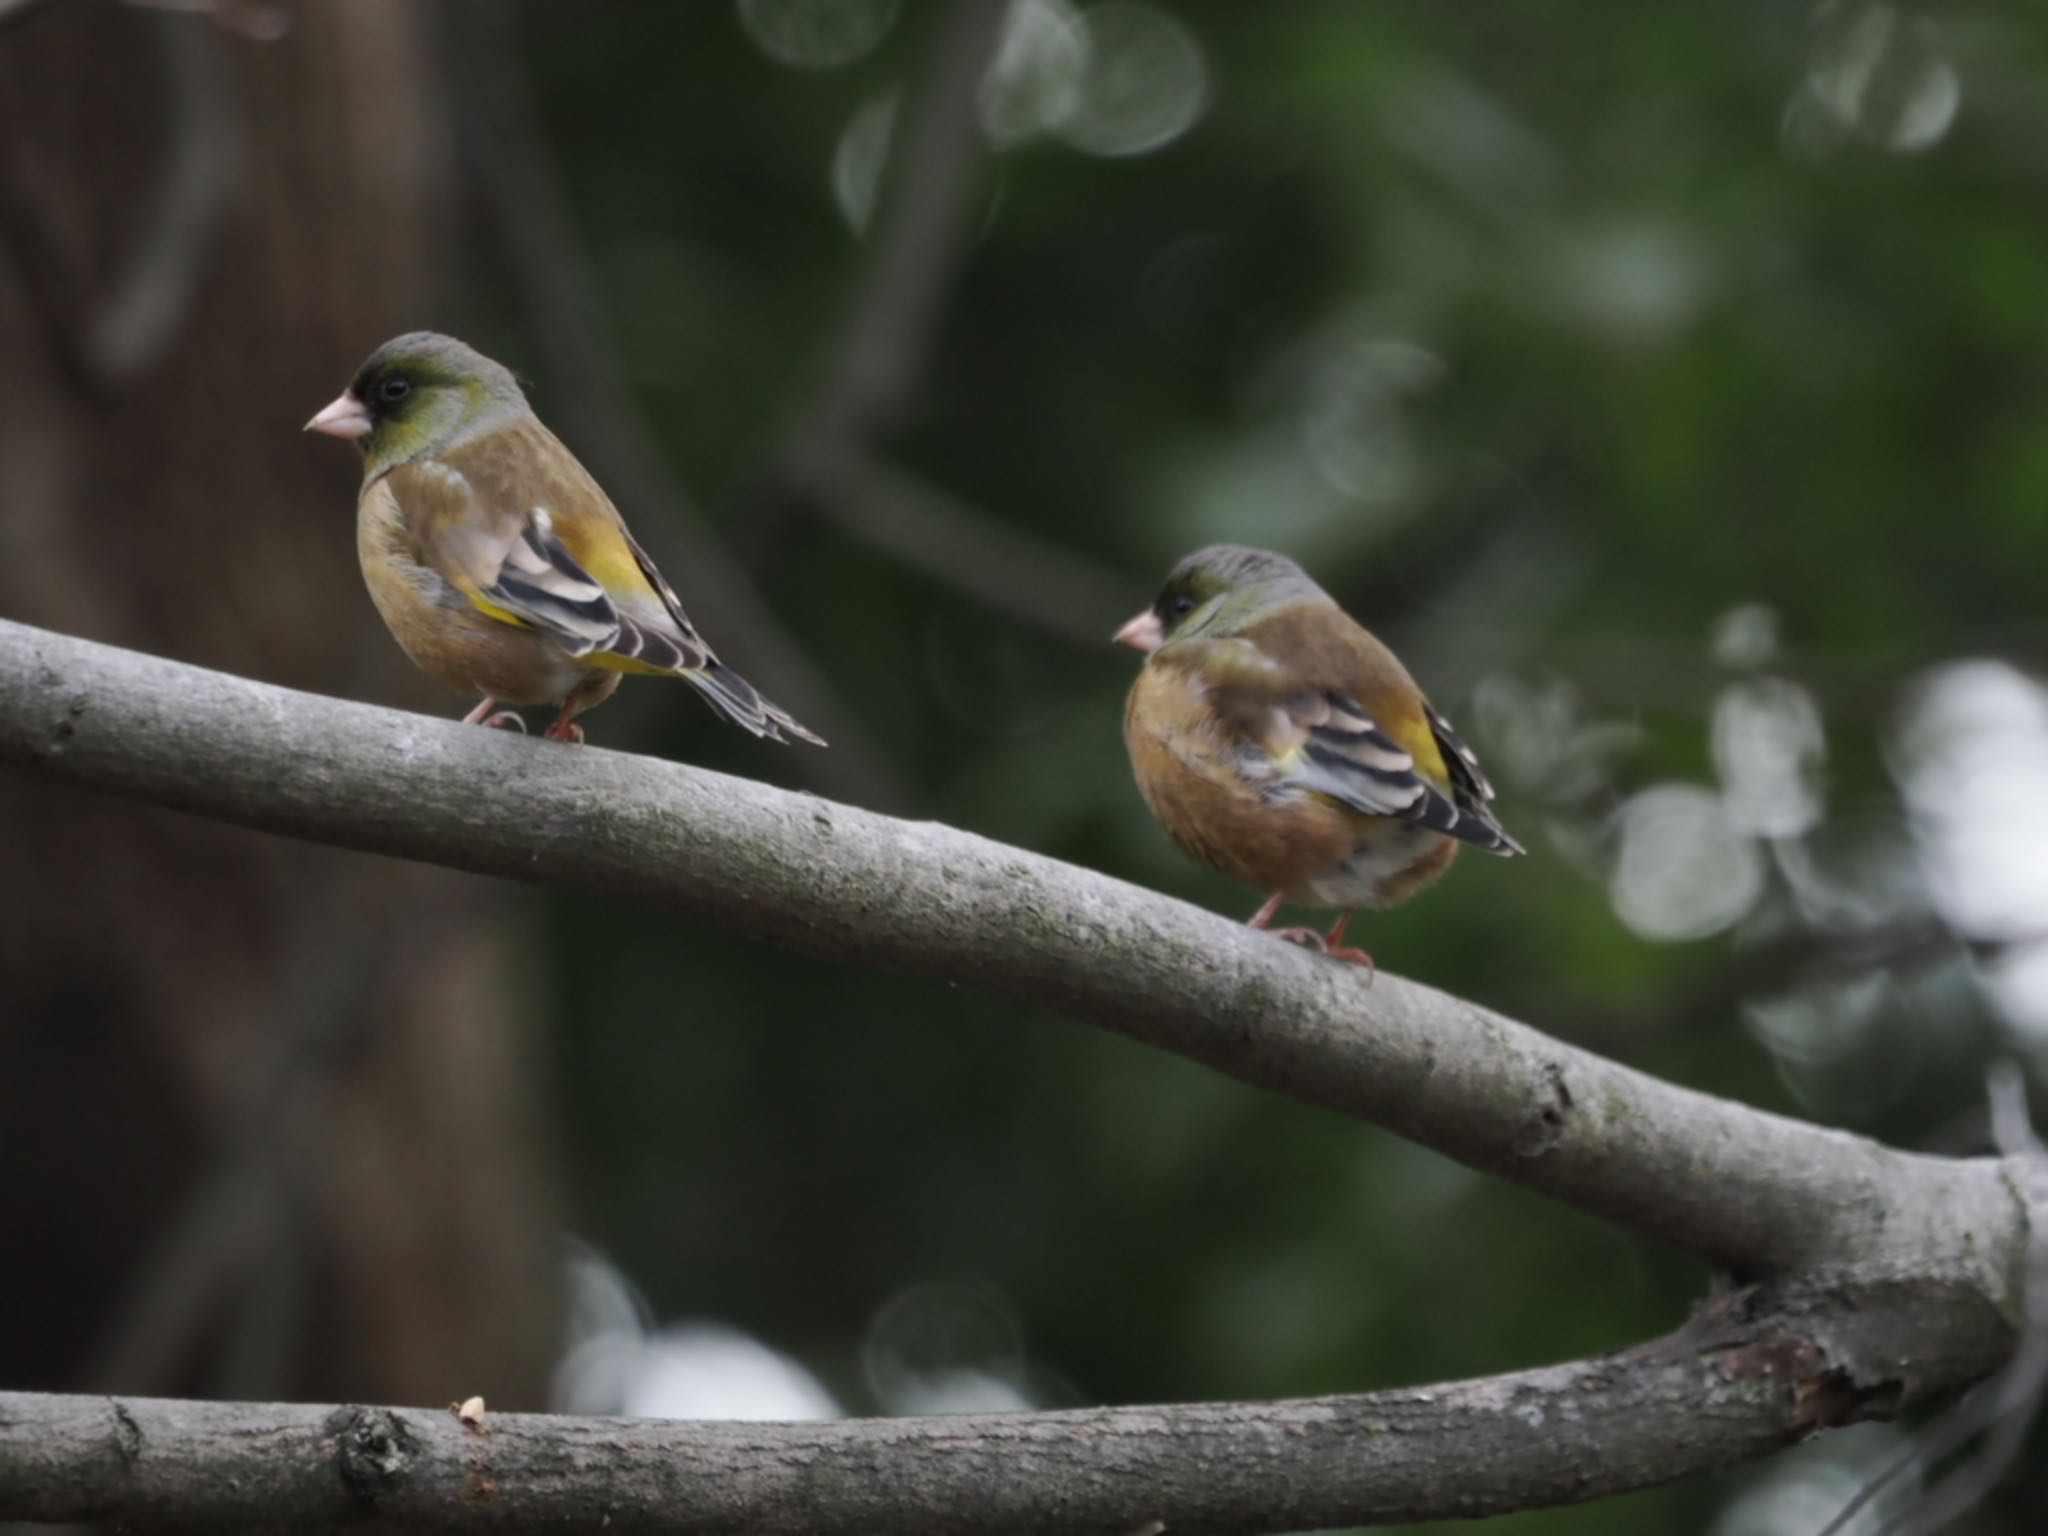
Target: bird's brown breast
[(444, 634), (1185, 761)]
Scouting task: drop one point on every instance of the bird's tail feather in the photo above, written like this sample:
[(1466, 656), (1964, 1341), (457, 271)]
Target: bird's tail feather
[(741, 703)]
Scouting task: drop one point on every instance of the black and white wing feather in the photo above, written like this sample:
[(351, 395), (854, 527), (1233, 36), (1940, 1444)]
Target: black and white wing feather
[(546, 586), (1469, 787), (543, 583), (1345, 756)]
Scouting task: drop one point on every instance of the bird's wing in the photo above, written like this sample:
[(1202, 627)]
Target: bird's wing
[(516, 525), (1469, 786), (730, 694), (1332, 747), (543, 584), (1324, 743), (520, 528), (1297, 731), (658, 584)]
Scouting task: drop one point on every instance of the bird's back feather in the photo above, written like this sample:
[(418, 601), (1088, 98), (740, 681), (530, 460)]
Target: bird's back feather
[(515, 523)]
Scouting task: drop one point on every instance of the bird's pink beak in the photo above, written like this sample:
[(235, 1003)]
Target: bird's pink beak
[(343, 416), (1143, 633)]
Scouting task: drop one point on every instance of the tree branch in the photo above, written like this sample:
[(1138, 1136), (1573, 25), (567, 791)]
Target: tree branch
[(930, 530), (827, 465), (1756, 1193), (921, 234), (102, 343), (12, 11), (1893, 1275), (1559, 1435)]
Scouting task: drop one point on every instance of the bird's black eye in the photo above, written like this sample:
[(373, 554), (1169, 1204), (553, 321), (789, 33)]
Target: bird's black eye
[(394, 389), (1180, 607)]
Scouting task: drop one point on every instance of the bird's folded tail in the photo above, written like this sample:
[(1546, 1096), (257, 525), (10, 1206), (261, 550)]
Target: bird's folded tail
[(741, 703)]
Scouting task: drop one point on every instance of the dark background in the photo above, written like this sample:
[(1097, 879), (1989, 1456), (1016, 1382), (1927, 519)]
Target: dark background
[(1664, 383)]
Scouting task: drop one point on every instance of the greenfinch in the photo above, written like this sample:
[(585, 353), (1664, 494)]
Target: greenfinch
[(500, 565), (1281, 744)]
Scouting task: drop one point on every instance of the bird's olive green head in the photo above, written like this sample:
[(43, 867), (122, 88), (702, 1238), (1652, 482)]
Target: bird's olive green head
[(1220, 591), (420, 394)]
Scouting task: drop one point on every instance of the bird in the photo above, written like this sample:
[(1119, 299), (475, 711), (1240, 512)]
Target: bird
[(1279, 742), (496, 559)]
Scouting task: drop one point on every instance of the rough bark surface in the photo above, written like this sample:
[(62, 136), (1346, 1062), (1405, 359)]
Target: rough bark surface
[(1765, 1372)]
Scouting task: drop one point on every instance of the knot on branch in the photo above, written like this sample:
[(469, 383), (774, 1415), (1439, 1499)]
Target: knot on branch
[(1834, 1399), (374, 1450), (1836, 1372), (127, 1434), (1544, 1128), (1823, 1394)]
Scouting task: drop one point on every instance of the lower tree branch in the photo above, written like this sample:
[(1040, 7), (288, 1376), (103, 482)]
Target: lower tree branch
[(1891, 1275), (1769, 1372)]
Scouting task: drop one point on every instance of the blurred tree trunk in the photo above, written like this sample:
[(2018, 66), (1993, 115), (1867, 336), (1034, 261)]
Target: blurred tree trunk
[(270, 1112)]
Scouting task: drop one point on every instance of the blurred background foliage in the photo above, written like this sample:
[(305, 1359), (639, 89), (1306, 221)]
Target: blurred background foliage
[(1665, 384)]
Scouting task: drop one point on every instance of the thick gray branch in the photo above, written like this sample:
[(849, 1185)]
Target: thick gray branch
[(1759, 1194), (1763, 1374), (1892, 1276)]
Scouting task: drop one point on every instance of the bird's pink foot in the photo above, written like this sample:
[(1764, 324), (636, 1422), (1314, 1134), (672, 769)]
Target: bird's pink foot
[(1307, 938), (488, 714), (1335, 947), (566, 730), (1332, 945)]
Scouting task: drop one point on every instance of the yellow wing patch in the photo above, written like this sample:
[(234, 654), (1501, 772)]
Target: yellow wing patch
[(491, 610), (600, 547), (1413, 735), (612, 661)]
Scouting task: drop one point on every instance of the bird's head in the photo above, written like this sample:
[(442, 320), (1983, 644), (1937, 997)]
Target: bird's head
[(418, 394), (1217, 592)]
